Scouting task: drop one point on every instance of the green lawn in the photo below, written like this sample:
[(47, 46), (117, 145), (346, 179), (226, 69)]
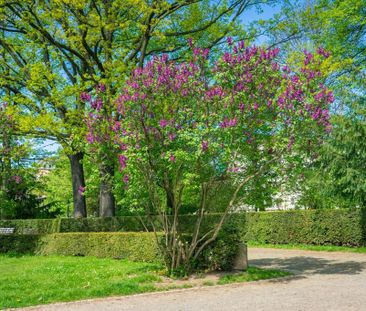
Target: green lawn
[(253, 274), (324, 248), (32, 280)]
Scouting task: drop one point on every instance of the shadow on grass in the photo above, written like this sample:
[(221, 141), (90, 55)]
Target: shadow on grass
[(310, 265)]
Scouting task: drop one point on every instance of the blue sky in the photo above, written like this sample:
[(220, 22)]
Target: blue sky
[(253, 14), (266, 13)]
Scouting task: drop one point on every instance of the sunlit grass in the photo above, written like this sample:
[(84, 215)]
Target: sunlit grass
[(252, 274), (32, 280)]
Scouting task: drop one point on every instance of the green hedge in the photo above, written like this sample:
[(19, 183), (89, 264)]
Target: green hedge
[(123, 245), (134, 246), (345, 227), (33, 226), (106, 224)]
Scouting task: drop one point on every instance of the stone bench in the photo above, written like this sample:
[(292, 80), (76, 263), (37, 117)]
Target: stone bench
[(7, 230)]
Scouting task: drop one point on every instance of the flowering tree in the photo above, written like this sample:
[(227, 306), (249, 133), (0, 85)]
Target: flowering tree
[(211, 122)]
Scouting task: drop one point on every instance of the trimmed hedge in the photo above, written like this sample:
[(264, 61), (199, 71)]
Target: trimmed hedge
[(122, 245), (134, 246), (344, 227), (33, 226), (105, 224)]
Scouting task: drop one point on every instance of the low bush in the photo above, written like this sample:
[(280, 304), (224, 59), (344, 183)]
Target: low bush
[(221, 253)]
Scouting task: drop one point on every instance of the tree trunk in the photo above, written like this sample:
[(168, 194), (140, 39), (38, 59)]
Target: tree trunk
[(78, 184), (107, 203)]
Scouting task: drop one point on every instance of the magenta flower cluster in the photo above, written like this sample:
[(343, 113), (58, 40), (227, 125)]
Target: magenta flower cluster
[(243, 96)]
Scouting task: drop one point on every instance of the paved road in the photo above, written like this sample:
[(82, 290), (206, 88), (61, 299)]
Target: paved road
[(323, 281)]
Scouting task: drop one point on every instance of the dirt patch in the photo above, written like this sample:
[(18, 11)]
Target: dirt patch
[(201, 279)]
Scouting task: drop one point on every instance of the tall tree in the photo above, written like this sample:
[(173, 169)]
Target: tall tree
[(339, 26), (60, 48)]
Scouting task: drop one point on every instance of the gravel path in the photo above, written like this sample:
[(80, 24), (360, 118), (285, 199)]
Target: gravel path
[(322, 281)]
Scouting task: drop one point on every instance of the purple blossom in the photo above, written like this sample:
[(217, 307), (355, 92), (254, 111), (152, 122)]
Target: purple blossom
[(308, 57), (163, 123), (122, 159), (81, 190), (17, 179), (85, 97), (190, 42), (228, 123), (204, 145), (171, 136), (322, 52), (214, 91), (125, 179), (234, 169), (172, 158), (100, 88), (97, 104), (229, 41), (90, 138)]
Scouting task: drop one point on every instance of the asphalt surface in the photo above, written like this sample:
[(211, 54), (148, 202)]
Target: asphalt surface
[(322, 281)]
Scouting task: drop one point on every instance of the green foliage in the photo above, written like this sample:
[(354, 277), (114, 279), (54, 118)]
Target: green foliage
[(345, 157), (57, 181), (19, 183), (337, 177), (220, 254), (47, 61)]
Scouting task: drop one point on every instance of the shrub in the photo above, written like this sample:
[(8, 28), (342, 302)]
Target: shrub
[(220, 254), (132, 246), (19, 244)]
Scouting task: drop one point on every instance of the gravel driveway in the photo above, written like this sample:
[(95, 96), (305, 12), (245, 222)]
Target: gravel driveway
[(322, 281)]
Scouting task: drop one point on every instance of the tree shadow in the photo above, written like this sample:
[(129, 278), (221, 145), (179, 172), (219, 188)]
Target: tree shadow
[(310, 265)]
